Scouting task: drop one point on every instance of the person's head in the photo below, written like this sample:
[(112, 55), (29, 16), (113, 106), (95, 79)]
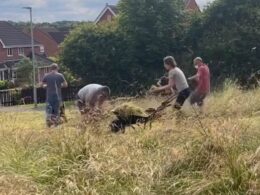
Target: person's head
[(54, 67), (169, 63), (81, 105), (163, 81), (104, 93), (197, 62)]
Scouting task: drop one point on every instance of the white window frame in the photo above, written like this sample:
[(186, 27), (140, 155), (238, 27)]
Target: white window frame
[(10, 52), (21, 51)]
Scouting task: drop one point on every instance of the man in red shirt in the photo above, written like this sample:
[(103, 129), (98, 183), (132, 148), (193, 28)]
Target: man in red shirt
[(202, 79)]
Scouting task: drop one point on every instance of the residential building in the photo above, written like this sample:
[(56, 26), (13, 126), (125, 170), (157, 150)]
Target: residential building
[(111, 11), (107, 14), (51, 39), (14, 46)]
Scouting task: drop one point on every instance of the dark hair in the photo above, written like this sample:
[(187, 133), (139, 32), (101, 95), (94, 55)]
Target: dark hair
[(163, 81), (169, 60)]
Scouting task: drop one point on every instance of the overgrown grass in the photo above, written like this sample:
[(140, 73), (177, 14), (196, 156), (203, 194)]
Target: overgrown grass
[(217, 153)]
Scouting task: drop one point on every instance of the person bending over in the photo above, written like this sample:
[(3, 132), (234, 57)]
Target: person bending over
[(92, 97)]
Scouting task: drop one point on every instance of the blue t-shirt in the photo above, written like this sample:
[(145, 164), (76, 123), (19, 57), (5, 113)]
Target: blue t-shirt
[(54, 83)]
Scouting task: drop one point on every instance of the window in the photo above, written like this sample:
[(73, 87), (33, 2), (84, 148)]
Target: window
[(14, 74), (41, 49), (109, 18), (9, 52), (20, 51)]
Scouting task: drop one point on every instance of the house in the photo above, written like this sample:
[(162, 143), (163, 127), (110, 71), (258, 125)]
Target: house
[(107, 14), (192, 5), (14, 46), (111, 11), (51, 39)]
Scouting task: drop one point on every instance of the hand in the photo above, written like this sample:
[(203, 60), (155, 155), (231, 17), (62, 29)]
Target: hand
[(153, 88)]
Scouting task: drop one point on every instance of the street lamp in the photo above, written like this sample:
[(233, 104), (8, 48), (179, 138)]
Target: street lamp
[(33, 59)]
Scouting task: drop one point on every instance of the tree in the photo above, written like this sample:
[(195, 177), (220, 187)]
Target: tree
[(228, 36), (127, 53), (93, 53), (153, 30), (25, 73)]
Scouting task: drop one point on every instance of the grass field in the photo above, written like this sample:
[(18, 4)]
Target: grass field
[(217, 153)]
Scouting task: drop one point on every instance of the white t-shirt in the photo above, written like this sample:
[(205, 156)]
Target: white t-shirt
[(179, 79), (87, 93)]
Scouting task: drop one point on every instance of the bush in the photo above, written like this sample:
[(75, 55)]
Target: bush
[(3, 85)]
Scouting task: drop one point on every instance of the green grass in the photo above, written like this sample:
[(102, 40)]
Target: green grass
[(217, 153)]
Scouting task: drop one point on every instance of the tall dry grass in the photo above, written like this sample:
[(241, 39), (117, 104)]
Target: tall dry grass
[(214, 153)]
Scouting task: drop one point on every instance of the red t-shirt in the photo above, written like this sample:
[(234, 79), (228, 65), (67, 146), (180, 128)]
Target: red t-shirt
[(203, 79)]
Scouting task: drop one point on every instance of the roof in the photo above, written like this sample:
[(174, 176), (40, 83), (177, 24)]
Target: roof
[(11, 36), (58, 37), (191, 5), (8, 64), (112, 8), (55, 34)]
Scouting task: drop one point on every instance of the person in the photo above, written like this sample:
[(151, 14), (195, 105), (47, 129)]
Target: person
[(177, 80), (202, 79), (92, 97), (53, 82)]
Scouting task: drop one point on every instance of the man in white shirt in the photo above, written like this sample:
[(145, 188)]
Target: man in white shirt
[(92, 97), (177, 80)]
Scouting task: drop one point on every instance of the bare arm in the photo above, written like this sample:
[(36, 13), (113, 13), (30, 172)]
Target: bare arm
[(195, 77), (64, 84)]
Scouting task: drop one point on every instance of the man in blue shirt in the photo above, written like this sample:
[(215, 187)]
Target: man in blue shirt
[(53, 82)]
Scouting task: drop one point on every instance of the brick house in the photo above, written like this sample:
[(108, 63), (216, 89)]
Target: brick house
[(191, 5), (14, 46), (51, 39), (107, 14), (111, 11)]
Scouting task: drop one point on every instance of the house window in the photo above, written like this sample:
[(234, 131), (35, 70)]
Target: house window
[(20, 51), (41, 49), (9, 52), (14, 74), (2, 75), (109, 18)]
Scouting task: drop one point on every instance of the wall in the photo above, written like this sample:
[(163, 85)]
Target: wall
[(50, 46), (4, 57), (105, 16)]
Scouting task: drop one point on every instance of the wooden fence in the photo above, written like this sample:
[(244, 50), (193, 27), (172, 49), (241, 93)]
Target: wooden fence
[(14, 97)]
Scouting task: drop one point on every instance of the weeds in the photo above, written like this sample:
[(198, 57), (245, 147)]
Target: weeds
[(215, 153)]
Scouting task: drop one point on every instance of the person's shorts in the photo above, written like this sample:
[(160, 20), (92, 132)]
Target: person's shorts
[(197, 98), (181, 98)]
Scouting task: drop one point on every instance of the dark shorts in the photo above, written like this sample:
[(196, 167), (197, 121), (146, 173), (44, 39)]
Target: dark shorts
[(197, 98), (181, 98)]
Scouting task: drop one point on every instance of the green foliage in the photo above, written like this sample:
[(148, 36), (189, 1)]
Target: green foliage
[(152, 29), (25, 73), (127, 53), (228, 36), (3, 85), (210, 154)]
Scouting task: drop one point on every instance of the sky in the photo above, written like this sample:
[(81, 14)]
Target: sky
[(57, 10)]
